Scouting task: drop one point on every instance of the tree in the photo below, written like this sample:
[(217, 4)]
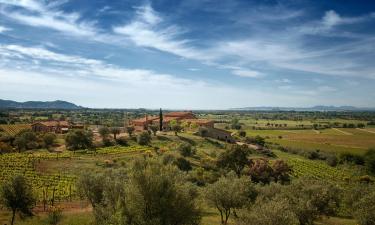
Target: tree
[(261, 171), (26, 140), (79, 139), (154, 128), (49, 139), (229, 193), (160, 196), (275, 211), (144, 138), (150, 193), (234, 159), (281, 171), (176, 127), (161, 120), (115, 131), (104, 132), (17, 196), (91, 186), (242, 133), (130, 130), (235, 124)]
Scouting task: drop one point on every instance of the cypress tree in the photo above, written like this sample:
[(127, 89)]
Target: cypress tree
[(161, 120)]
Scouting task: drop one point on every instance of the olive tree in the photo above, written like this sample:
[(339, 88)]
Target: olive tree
[(17, 196), (229, 193), (234, 159)]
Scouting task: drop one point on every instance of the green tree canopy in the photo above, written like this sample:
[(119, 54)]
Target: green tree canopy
[(17, 196)]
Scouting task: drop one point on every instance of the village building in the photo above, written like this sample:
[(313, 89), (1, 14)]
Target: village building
[(144, 122), (54, 126), (222, 135)]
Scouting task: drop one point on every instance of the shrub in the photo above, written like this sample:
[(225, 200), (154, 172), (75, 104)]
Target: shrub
[(242, 133), (351, 158), (185, 149), (370, 161), (144, 138), (332, 160), (183, 164), (256, 140), (122, 141), (54, 215), (364, 210)]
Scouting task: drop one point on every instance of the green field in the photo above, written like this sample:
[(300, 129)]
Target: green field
[(330, 140)]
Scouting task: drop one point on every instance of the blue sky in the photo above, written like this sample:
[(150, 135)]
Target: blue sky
[(188, 54)]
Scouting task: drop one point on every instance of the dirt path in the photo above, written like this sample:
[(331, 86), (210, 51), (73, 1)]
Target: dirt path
[(347, 133), (369, 131)]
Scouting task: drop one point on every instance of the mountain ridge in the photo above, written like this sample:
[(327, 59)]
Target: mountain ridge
[(57, 104)]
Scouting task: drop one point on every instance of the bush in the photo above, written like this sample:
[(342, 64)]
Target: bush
[(54, 215), (122, 141), (185, 149), (107, 142), (370, 161), (258, 140), (5, 147), (242, 133), (364, 210), (183, 164), (332, 160), (144, 138), (351, 158)]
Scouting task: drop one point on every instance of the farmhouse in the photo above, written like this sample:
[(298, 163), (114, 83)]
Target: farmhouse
[(54, 126), (182, 117), (219, 134)]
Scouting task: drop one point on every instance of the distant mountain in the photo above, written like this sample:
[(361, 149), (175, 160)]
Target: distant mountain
[(38, 105), (314, 108)]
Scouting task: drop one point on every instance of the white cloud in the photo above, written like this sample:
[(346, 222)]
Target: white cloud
[(146, 30), (247, 73), (45, 15), (4, 29)]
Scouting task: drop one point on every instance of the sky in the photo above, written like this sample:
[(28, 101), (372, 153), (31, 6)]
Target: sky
[(188, 54)]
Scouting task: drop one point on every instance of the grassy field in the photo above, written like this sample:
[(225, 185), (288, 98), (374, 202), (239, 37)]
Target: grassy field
[(335, 140)]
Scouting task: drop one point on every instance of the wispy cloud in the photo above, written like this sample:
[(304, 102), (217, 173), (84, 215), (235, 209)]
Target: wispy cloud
[(247, 73), (147, 30), (4, 29), (39, 14)]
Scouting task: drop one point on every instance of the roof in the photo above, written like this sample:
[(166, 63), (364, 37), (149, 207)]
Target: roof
[(53, 123)]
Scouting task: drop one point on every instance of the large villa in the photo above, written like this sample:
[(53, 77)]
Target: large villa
[(188, 118), (182, 117)]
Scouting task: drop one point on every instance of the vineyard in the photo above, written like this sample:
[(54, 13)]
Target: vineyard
[(14, 129), (57, 186), (318, 169)]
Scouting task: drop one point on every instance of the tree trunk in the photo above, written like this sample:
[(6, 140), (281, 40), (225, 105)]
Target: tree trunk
[(13, 216)]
